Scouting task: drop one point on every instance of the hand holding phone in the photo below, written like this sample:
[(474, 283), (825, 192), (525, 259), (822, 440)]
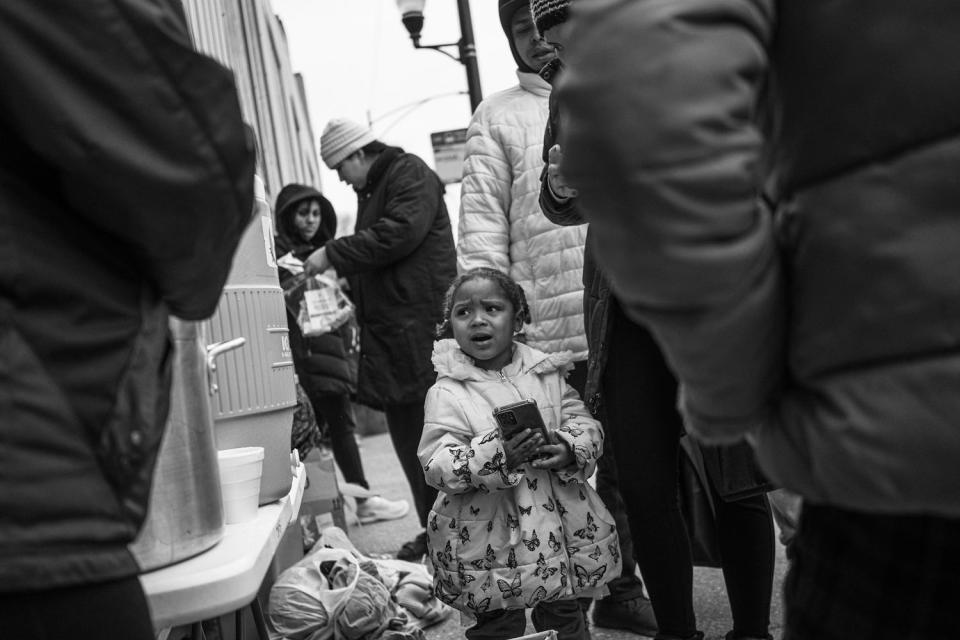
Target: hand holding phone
[(522, 431)]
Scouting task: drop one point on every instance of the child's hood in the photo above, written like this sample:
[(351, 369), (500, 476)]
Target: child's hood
[(451, 362)]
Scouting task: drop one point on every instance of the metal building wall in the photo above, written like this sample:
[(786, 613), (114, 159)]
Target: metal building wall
[(247, 37)]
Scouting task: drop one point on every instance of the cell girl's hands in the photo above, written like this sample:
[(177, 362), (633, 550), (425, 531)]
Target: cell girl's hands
[(555, 454), (558, 185), (521, 447)]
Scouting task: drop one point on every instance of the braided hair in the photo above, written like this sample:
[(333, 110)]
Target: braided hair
[(510, 288)]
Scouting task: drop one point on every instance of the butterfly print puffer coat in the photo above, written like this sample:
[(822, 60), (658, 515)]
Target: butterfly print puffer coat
[(504, 539)]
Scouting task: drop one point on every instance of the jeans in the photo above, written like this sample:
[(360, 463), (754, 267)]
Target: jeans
[(878, 576), (116, 609), (639, 393), (405, 423)]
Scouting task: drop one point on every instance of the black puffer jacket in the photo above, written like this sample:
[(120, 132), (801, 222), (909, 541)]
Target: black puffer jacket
[(596, 289), (328, 363), (114, 210), (827, 326), (399, 262)]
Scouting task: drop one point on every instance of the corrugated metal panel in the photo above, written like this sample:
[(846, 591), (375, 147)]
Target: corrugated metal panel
[(245, 36), (208, 26), (257, 377)]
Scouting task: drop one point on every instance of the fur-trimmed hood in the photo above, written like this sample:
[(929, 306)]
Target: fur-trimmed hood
[(451, 362)]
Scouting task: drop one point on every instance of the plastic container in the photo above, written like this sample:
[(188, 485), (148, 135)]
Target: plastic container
[(254, 394), (240, 473)]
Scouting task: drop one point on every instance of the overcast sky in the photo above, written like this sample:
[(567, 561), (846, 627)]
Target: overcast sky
[(358, 62)]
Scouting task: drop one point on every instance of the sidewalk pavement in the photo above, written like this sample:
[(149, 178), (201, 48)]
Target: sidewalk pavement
[(385, 477)]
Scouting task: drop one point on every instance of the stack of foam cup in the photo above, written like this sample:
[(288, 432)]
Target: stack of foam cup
[(240, 472)]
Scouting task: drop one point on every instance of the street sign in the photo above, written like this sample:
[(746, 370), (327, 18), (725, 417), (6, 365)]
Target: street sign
[(448, 152)]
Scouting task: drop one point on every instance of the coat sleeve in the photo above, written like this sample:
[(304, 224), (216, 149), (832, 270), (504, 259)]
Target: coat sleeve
[(485, 199), (143, 133), (454, 459), (565, 213), (413, 197), (661, 143), (582, 433)]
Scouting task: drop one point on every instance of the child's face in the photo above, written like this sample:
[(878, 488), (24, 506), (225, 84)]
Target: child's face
[(531, 47), (307, 218), (483, 322), (557, 37)]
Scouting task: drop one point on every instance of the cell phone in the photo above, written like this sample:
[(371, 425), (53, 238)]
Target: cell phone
[(518, 416)]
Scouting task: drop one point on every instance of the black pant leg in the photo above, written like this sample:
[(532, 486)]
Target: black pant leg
[(639, 394), (405, 423), (563, 616), (747, 547), (500, 624), (337, 410)]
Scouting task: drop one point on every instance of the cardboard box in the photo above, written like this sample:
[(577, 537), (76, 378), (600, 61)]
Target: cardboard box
[(322, 494)]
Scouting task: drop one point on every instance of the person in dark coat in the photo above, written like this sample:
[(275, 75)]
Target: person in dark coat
[(399, 262), (126, 181), (773, 188), (630, 384), (326, 365)]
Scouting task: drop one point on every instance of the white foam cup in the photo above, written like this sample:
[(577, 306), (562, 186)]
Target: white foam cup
[(240, 472)]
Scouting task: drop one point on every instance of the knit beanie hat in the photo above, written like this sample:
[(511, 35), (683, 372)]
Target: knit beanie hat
[(342, 137), (508, 8), (549, 13)]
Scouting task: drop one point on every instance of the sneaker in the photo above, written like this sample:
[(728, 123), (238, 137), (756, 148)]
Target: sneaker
[(630, 614), (414, 550), (376, 508)]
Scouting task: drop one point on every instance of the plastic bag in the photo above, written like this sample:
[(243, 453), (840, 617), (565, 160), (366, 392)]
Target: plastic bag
[(304, 605), (337, 593), (324, 306), (318, 303)]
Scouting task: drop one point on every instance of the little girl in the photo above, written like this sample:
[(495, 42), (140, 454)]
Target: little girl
[(515, 525)]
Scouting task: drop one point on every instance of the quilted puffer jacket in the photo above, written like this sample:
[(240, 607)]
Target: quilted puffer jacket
[(825, 322), (501, 224), (504, 539)]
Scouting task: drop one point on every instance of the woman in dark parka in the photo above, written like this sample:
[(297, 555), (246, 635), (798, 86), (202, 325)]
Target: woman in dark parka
[(326, 365), (399, 260)]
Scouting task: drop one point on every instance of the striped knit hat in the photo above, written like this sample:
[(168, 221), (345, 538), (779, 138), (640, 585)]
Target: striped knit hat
[(342, 137), (549, 13)]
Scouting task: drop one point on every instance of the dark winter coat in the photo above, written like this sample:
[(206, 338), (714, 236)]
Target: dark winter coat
[(596, 290), (828, 324), (326, 364), (399, 262), (733, 469), (126, 180)]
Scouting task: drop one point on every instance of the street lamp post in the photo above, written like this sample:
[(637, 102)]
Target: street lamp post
[(412, 15)]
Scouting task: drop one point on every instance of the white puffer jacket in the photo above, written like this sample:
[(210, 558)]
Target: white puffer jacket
[(501, 225)]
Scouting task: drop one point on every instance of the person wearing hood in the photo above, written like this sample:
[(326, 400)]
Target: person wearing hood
[(399, 261), (502, 227), (326, 364)]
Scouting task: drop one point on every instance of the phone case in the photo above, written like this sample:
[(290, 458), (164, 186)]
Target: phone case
[(519, 416)]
